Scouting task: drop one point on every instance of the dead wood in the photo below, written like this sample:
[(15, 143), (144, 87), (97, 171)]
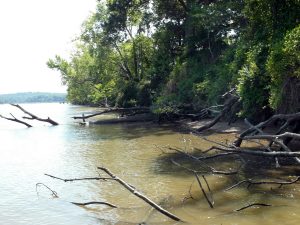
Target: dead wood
[(95, 203), (209, 200), (190, 196), (34, 117), (134, 191), (129, 187), (251, 205), (252, 183), (204, 165), (14, 119), (288, 118), (122, 111), (126, 119), (54, 193), (231, 100), (79, 179), (211, 204), (257, 152)]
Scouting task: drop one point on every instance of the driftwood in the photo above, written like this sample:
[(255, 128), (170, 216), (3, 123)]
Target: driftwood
[(126, 119), (134, 191), (14, 119), (95, 203), (252, 183), (251, 205), (129, 187), (123, 111), (79, 179), (34, 117)]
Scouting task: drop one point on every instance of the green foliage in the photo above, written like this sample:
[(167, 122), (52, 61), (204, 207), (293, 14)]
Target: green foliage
[(169, 53), (283, 62)]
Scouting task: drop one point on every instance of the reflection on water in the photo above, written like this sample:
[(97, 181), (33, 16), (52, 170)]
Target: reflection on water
[(70, 150)]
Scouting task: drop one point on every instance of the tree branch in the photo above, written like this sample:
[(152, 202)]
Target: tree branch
[(134, 191), (251, 183), (79, 179), (14, 119), (34, 117), (95, 203), (251, 205)]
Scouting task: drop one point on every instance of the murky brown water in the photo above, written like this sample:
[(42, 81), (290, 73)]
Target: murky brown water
[(129, 151)]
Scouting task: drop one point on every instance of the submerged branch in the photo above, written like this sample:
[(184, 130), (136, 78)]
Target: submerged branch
[(79, 179), (95, 203), (134, 191), (210, 203), (251, 205), (251, 183), (54, 193)]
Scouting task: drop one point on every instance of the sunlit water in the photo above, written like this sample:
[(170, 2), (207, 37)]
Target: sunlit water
[(130, 151)]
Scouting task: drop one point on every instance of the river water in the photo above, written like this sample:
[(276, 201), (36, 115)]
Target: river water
[(133, 153)]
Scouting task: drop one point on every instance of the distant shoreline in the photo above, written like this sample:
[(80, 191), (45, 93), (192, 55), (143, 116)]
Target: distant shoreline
[(33, 97)]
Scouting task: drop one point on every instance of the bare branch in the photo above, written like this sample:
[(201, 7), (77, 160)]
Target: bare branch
[(34, 117), (287, 117), (203, 191), (251, 183), (212, 170), (134, 191), (251, 205), (227, 106), (79, 179), (54, 193), (95, 203), (119, 110), (14, 119)]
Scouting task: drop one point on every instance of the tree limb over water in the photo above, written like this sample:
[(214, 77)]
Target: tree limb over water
[(123, 111), (129, 187), (134, 191), (14, 119), (34, 117)]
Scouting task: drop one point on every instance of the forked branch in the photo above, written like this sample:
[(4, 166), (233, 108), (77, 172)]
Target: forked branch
[(34, 117), (14, 119)]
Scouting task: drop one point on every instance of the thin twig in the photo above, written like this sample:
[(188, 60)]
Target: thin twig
[(95, 203), (54, 193), (250, 183), (79, 179), (251, 205)]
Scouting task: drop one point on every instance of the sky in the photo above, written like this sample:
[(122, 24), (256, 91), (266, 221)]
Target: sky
[(33, 31)]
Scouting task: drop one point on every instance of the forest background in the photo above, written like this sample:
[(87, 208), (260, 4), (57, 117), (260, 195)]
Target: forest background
[(182, 55)]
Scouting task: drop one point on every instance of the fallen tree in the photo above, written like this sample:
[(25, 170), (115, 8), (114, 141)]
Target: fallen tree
[(122, 111), (230, 107)]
